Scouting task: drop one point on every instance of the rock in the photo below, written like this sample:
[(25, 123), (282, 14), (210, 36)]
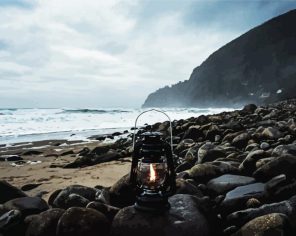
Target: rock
[(280, 188), (103, 196), (93, 159), (212, 132), (264, 145), (70, 152), (236, 199), (45, 224), (276, 182), (251, 147), (209, 152), (53, 196), (109, 156), (233, 125), (28, 187), (284, 149), (253, 203), (10, 191), (217, 138), (80, 162), (285, 164), (193, 133), (10, 158), (78, 221), (241, 140), (107, 210), (250, 108), (97, 151), (271, 133), (227, 182), (263, 161), (84, 151), (31, 152), (202, 119), (206, 171), (9, 218), (192, 154), (86, 193), (185, 187), (183, 145), (122, 193), (248, 166), (183, 218), (271, 115), (229, 135), (272, 224), (184, 166), (75, 200), (11, 223), (287, 207), (27, 205)]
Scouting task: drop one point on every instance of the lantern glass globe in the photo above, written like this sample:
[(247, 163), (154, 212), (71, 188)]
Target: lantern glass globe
[(151, 176)]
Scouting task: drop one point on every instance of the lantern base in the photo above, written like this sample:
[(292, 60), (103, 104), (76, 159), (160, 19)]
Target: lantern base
[(152, 203)]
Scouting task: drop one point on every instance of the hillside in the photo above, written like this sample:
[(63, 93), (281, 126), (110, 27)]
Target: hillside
[(259, 67)]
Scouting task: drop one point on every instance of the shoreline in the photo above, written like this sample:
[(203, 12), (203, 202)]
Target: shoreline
[(233, 169)]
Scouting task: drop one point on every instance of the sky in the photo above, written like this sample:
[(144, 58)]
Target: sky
[(99, 53)]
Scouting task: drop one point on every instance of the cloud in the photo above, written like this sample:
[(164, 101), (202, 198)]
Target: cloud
[(85, 53)]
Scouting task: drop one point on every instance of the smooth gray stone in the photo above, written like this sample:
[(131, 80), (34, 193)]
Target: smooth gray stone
[(236, 199), (228, 182), (182, 219)]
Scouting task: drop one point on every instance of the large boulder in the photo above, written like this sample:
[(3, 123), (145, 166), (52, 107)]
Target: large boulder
[(27, 205), (285, 164), (107, 210), (271, 133), (69, 196), (241, 140), (227, 182), (122, 193), (272, 224), (45, 223), (248, 166), (11, 223), (78, 221), (183, 218), (209, 152), (185, 187), (249, 108), (9, 192), (284, 149), (206, 171), (236, 199), (194, 132), (287, 207)]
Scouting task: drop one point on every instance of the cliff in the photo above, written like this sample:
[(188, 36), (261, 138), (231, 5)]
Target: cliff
[(258, 67)]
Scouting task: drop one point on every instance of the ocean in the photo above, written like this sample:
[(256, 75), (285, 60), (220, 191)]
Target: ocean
[(26, 125)]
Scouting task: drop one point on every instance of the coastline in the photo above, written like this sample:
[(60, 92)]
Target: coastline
[(235, 171)]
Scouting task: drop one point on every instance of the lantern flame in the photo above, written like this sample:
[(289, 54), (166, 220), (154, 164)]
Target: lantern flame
[(152, 174)]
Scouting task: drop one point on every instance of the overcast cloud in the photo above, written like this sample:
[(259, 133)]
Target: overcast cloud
[(110, 53)]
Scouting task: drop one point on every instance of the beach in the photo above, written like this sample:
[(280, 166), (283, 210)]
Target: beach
[(234, 170), (49, 175)]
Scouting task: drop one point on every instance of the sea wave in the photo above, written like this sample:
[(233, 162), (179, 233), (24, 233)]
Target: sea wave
[(93, 111)]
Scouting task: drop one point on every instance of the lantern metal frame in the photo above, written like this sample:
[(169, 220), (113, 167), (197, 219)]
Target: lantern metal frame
[(156, 199)]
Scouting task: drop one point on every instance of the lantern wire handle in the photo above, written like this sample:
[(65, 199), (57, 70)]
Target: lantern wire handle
[(135, 127)]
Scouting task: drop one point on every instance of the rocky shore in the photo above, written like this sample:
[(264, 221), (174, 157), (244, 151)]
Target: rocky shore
[(235, 176)]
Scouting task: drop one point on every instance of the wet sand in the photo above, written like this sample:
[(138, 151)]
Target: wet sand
[(52, 178)]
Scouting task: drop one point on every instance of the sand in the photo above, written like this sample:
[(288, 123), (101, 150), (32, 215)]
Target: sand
[(50, 178)]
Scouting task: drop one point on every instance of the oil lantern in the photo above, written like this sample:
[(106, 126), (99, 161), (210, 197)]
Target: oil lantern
[(152, 172)]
